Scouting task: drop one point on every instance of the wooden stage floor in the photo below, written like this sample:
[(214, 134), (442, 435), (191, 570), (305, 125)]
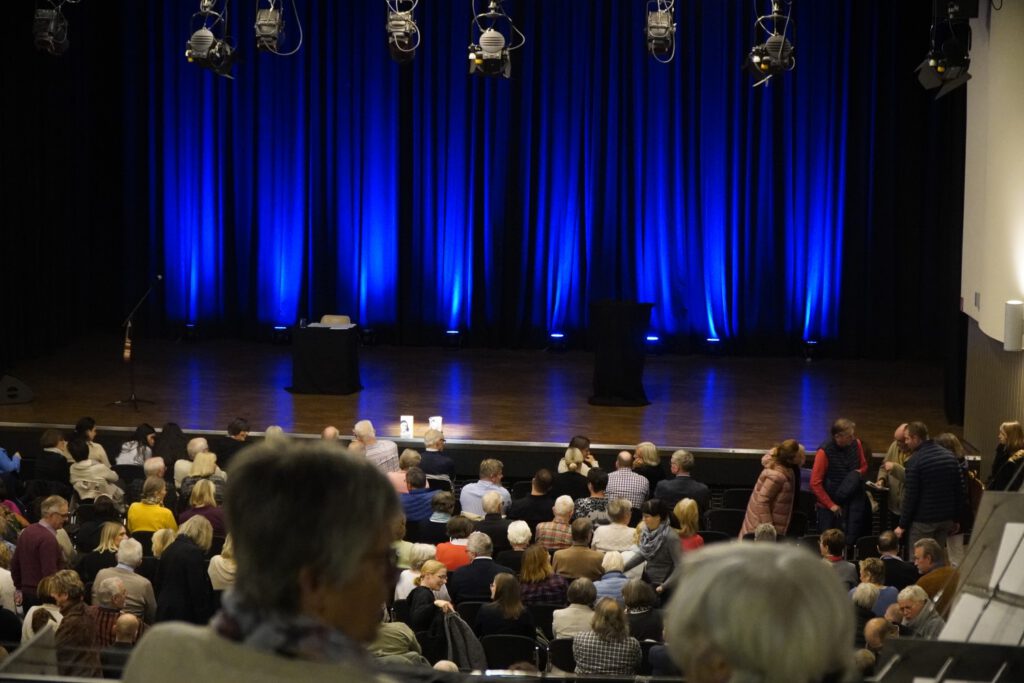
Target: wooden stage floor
[(521, 396)]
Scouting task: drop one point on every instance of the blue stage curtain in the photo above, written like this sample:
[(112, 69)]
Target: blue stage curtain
[(418, 198)]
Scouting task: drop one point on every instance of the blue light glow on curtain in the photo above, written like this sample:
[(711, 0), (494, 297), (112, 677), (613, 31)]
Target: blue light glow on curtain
[(593, 173)]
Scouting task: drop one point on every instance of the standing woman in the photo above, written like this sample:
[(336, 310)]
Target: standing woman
[(505, 615), (657, 543), (776, 489), (1009, 458), (185, 590)]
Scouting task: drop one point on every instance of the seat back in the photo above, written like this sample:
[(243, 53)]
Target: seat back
[(736, 498), (543, 616), (714, 537), (468, 610), (867, 546), (797, 525), (502, 651), (145, 538), (560, 654), (521, 489), (332, 319), (727, 520), (130, 473), (645, 659), (401, 611)]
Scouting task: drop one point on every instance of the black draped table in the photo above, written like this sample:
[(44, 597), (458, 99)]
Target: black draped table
[(325, 360)]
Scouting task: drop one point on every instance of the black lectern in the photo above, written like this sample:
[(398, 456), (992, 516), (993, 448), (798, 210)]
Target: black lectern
[(617, 334), (325, 361)]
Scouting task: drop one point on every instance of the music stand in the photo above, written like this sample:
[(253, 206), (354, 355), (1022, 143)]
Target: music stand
[(132, 399)]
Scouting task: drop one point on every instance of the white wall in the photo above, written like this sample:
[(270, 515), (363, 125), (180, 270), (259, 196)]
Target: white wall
[(993, 255)]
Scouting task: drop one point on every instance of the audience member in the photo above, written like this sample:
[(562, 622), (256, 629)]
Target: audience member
[(140, 599), (539, 584), (155, 467), (416, 501), (607, 647), (578, 560), (920, 617), (892, 472), (223, 568), (399, 545), (641, 604), (435, 462), (53, 463), (837, 482), (183, 468), (577, 617), (185, 593), (427, 610), (275, 434), (171, 444), (625, 483), (864, 597), (898, 573), (305, 604), (1005, 473), (204, 468), (687, 515), (614, 579), (408, 458), (396, 644), (776, 489), (493, 524), (435, 528), (226, 447), (570, 482), (872, 570), (331, 435), (421, 552), (85, 428), (76, 635), (38, 553), (682, 484), (109, 600), (104, 555), (877, 631), (938, 579), (973, 490), (453, 554), (594, 507), (136, 450), (161, 539), (7, 589), (832, 545), (472, 582), (536, 507), (103, 510), (582, 444), (505, 614), (766, 533), (556, 534), (618, 535), (754, 611), (934, 495), (47, 604), (471, 498), (115, 656), (647, 463), (149, 514), (203, 503), (657, 544), (519, 540), (381, 452)]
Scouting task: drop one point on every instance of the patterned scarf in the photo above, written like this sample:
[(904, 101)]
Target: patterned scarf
[(650, 541)]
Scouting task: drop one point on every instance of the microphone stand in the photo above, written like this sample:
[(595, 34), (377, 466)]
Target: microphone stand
[(132, 399)]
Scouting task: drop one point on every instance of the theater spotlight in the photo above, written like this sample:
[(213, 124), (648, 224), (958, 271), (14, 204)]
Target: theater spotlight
[(558, 342), (775, 54), (661, 30), (204, 46), (269, 27), (403, 34), (489, 55), (949, 55), (50, 29)]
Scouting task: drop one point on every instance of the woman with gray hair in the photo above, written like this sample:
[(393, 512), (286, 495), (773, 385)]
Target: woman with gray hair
[(759, 612), (420, 553), (607, 648), (519, 536), (305, 604)]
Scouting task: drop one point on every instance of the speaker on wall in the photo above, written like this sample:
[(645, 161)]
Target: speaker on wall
[(13, 390)]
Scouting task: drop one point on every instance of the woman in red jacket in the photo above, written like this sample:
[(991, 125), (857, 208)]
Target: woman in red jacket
[(776, 488)]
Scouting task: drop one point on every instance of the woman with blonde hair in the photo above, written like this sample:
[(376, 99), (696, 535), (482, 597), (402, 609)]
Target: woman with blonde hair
[(149, 514), (427, 609), (47, 603), (408, 458), (162, 539), (104, 554), (647, 462), (505, 614), (420, 553), (687, 513), (775, 492), (573, 481), (185, 590), (538, 582), (222, 567), (6, 579), (607, 648), (204, 467), (1009, 458), (203, 502)]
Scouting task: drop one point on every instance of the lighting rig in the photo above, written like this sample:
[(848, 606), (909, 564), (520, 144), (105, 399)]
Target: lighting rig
[(403, 34), (489, 54), (775, 55), (205, 47)]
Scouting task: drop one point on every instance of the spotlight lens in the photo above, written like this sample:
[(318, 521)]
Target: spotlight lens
[(941, 69)]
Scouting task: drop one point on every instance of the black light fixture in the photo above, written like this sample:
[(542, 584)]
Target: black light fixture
[(775, 55), (205, 47), (403, 34), (489, 55), (949, 55), (50, 28), (661, 30)]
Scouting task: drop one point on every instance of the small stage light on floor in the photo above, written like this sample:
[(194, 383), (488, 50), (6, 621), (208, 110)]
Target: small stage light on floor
[(713, 345), (453, 339), (653, 343), (281, 334), (367, 336), (557, 342), (190, 333), (810, 347)]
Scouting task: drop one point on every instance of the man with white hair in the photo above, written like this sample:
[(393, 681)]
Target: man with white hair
[(556, 534), (614, 578), (140, 599), (381, 452), (109, 599), (435, 462), (472, 582), (155, 467), (920, 617), (38, 551), (683, 485), (493, 524), (182, 468), (330, 434)]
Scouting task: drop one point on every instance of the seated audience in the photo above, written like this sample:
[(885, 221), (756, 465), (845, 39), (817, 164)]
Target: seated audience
[(453, 554), (115, 656), (203, 502), (556, 534), (864, 596), (182, 468), (614, 579), (493, 524), (109, 599), (571, 482), (140, 599), (103, 510), (617, 535), (6, 579), (472, 582), (427, 609), (204, 467), (642, 610), (519, 539), (607, 648), (91, 478), (582, 444), (735, 605), (505, 614), (76, 635), (136, 450), (595, 507), (104, 555), (938, 578), (171, 445), (687, 514), (85, 429), (222, 567), (416, 501), (161, 539), (149, 514), (304, 605), (832, 544), (577, 617), (53, 462), (539, 584), (154, 467), (396, 644), (47, 603), (184, 587), (408, 458), (658, 544), (919, 616), (402, 547), (898, 573), (435, 463), (434, 529), (872, 570), (877, 631), (536, 507), (578, 559), (647, 463), (471, 496), (421, 552), (766, 533)]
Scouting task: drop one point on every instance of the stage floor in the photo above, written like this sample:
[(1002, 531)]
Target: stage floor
[(521, 396)]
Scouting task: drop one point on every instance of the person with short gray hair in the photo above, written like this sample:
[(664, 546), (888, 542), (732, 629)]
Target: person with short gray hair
[(140, 599), (381, 452), (303, 606), (759, 612), (556, 534), (493, 524), (110, 600), (183, 467), (683, 485), (473, 581), (920, 618), (435, 462), (766, 533), (577, 617), (518, 536), (614, 579)]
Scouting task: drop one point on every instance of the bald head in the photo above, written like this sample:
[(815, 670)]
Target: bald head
[(624, 460), (330, 434), (875, 632), (901, 433), (126, 628)]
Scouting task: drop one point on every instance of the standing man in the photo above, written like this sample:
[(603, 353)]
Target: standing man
[(892, 473), (38, 554), (682, 485), (381, 452), (934, 490), (835, 460), (471, 498), (625, 483)]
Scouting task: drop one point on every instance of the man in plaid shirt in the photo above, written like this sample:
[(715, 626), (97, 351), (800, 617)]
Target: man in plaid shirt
[(625, 483), (556, 534)]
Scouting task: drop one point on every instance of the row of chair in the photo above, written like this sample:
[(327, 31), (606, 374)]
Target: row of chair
[(503, 651)]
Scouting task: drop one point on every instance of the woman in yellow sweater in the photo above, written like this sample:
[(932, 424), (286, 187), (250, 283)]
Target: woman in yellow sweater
[(149, 514)]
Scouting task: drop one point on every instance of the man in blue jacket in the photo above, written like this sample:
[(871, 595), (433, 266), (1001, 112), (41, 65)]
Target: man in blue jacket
[(933, 493)]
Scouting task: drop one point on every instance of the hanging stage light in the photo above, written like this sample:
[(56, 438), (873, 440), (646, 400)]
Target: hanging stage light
[(403, 34), (269, 27), (50, 27), (949, 56), (489, 56), (661, 30), (204, 47), (775, 55)]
